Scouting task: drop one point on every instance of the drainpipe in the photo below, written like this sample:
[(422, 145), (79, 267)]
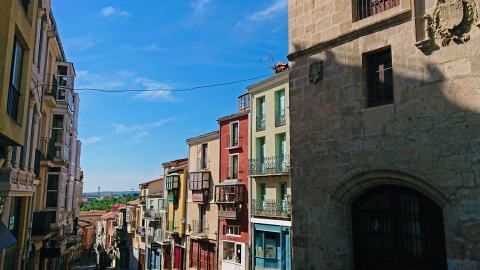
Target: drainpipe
[(250, 121), (215, 266)]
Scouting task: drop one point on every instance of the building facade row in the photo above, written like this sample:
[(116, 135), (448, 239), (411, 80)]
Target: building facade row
[(40, 175), (228, 204)]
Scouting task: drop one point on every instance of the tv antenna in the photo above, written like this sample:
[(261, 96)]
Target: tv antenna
[(269, 58)]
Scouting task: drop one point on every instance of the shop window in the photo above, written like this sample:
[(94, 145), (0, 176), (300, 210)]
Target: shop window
[(266, 244), (232, 252)]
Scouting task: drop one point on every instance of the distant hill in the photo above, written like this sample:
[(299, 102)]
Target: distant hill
[(111, 193)]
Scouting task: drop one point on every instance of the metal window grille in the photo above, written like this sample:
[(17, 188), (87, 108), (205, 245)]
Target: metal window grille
[(367, 8)]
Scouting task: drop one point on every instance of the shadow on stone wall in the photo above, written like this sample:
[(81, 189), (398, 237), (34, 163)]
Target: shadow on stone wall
[(431, 131)]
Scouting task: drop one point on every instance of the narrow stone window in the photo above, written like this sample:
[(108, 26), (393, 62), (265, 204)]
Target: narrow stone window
[(379, 78)]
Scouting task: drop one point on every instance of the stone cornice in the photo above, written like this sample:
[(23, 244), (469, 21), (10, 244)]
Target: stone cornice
[(353, 34)]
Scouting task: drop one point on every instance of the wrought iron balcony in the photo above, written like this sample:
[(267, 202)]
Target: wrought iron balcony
[(271, 208), (280, 118), (156, 236), (269, 165), (260, 122), (151, 214), (233, 141)]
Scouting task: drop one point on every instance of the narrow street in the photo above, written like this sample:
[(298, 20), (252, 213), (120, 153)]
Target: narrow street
[(87, 264)]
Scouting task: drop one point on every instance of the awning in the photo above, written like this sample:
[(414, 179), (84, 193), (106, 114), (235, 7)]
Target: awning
[(6, 237)]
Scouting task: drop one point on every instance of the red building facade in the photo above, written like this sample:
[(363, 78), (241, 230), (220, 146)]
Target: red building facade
[(231, 194)]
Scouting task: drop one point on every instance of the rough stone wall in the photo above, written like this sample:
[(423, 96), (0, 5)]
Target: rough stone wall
[(431, 133)]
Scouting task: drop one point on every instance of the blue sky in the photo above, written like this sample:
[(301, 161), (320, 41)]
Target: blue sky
[(161, 44)]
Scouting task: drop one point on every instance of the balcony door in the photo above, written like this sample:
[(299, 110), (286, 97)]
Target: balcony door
[(233, 166), (281, 152), (261, 154)]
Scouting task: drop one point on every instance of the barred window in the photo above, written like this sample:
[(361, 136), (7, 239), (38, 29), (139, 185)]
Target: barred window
[(367, 8)]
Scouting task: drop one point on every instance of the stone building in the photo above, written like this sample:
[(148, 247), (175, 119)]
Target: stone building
[(385, 124)]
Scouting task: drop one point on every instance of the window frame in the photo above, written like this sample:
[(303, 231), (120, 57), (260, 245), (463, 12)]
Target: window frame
[(235, 229), (49, 190), (280, 112), (261, 113), (234, 137), (379, 78), (15, 82), (372, 7)]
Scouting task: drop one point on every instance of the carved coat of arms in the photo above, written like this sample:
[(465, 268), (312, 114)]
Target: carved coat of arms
[(453, 19)]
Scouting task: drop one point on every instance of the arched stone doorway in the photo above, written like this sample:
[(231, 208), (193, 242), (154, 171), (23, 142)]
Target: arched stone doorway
[(396, 227)]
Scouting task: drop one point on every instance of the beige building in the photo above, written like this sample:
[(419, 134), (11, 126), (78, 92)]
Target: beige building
[(269, 172), (384, 123), (202, 212)]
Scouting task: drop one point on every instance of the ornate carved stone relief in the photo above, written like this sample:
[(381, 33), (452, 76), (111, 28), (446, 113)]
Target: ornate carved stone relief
[(315, 71), (452, 20)]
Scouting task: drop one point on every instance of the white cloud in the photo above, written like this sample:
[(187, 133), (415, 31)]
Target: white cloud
[(139, 130), (199, 6), (147, 48), (276, 8), (90, 140), (111, 11), (85, 79), (80, 43), (160, 91), (139, 136), (119, 128), (125, 80)]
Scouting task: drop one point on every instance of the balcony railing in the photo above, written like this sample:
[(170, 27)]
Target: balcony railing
[(269, 165), (156, 236), (367, 8), (198, 226), (202, 163), (280, 118), (233, 141), (271, 208), (151, 213), (260, 122)]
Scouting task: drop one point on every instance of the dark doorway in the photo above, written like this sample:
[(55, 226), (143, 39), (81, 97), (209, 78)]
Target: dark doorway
[(397, 228)]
